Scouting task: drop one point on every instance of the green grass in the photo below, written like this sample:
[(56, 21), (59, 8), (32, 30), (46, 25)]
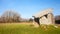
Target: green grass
[(27, 29)]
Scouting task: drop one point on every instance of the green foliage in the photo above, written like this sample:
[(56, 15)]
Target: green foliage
[(28, 29)]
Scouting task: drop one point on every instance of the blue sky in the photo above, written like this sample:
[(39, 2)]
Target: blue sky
[(29, 7)]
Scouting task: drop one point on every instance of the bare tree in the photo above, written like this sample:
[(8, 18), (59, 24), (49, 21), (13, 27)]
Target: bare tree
[(10, 16)]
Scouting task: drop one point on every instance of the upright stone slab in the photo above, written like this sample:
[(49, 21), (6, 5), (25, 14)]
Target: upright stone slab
[(35, 24), (43, 20), (50, 18)]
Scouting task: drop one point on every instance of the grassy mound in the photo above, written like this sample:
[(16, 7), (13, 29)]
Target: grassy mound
[(28, 29)]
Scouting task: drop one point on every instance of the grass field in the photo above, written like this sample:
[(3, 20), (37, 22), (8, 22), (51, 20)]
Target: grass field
[(18, 28)]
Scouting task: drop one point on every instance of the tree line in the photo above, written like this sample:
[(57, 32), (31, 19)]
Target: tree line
[(57, 19), (11, 16)]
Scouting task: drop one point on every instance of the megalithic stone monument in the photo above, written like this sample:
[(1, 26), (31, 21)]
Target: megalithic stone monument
[(44, 17)]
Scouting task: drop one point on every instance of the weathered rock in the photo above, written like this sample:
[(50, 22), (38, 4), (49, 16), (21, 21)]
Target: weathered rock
[(45, 17)]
